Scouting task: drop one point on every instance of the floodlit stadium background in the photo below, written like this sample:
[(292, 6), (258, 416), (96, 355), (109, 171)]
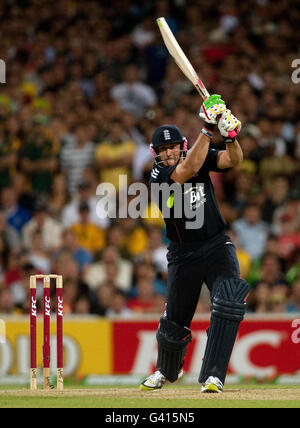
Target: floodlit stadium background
[(86, 84)]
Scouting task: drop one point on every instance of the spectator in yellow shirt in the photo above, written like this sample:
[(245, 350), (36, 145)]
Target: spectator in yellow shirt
[(135, 236), (89, 236), (114, 156), (128, 236), (243, 256)]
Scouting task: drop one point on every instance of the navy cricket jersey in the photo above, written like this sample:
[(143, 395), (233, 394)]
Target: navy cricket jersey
[(197, 194)]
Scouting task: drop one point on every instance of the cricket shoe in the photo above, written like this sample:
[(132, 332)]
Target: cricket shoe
[(156, 381), (212, 385)]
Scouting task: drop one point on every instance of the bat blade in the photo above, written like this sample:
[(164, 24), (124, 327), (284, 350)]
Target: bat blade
[(180, 58)]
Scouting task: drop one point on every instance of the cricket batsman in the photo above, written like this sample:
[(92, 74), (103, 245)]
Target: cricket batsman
[(204, 254)]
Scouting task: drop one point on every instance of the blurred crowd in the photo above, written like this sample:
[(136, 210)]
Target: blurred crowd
[(86, 84)]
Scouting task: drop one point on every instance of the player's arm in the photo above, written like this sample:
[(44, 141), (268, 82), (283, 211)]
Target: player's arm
[(230, 157), (193, 161), (210, 109), (233, 155)]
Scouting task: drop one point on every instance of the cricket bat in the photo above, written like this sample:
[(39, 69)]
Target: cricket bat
[(181, 60)]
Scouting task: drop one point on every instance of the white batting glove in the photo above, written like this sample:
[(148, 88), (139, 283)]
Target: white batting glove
[(211, 108), (228, 122)]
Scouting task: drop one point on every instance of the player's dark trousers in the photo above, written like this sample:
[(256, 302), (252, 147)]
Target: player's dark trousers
[(191, 265), (189, 268)]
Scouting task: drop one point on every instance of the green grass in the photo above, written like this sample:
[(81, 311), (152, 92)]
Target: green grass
[(22, 402), (180, 396)]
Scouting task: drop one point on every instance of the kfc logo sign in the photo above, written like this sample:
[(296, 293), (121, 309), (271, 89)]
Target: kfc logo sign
[(262, 349)]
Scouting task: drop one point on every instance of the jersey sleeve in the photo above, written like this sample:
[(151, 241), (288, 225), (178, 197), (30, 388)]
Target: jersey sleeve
[(210, 163), (162, 175)]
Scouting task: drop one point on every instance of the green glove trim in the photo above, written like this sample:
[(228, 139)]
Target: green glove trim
[(213, 99)]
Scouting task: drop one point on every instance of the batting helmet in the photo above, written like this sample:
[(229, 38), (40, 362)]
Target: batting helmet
[(167, 134)]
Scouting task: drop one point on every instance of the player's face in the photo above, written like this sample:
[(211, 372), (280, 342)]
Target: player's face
[(169, 153)]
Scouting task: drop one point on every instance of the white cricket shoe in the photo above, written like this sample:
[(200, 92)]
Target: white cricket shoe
[(212, 385), (156, 381)]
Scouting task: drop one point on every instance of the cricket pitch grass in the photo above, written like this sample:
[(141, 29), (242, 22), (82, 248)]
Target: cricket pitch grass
[(179, 396)]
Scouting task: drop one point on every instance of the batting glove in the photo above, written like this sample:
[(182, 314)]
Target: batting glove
[(228, 122), (211, 108)]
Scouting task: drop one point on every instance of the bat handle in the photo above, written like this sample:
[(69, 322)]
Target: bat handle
[(232, 134)]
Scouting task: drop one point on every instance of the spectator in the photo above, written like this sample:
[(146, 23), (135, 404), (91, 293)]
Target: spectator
[(242, 255), (114, 157), (59, 196), (277, 194), (259, 298), (115, 237), (90, 176), (118, 306), (133, 95), (66, 266), (145, 270), (174, 84), (95, 274), (143, 159), (38, 256), (152, 215), (89, 236), (243, 184), (146, 300), (289, 238), (71, 291), (273, 165), (104, 295), (19, 287), (71, 245), (144, 33), (4, 255), (158, 250), (50, 229), (270, 269), (133, 131), (251, 231), (277, 301), (9, 235), (135, 238), (21, 187), (10, 144), (39, 159), (82, 305), (16, 215), (293, 267), (290, 207), (57, 131), (294, 304), (7, 304), (13, 268), (71, 213), (76, 156)]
